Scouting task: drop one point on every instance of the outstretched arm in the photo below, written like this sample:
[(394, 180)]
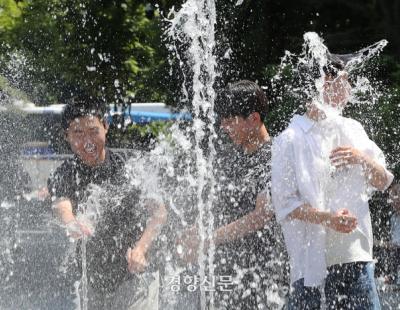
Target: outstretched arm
[(63, 210), (249, 223)]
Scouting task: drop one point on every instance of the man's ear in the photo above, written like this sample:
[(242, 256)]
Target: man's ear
[(106, 125), (255, 117)]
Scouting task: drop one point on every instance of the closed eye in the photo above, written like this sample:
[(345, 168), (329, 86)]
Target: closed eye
[(94, 130), (78, 131)]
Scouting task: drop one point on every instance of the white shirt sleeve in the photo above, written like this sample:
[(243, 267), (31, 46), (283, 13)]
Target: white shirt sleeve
[(285, 194), (369, 147)]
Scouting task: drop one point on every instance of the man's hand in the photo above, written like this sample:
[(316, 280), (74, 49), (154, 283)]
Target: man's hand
[(77, 230), (136, 256), (342, 221), (376, 174), (136, 259), (346, 156), (43, 194)]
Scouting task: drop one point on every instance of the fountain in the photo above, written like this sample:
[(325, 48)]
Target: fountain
[(180, 169), (194, 24)]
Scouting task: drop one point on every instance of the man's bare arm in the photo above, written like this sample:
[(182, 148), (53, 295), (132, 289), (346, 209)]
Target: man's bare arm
[(157, 219), (63, 210), (376, 174), (341, 221), (247, 224), (75, 229)]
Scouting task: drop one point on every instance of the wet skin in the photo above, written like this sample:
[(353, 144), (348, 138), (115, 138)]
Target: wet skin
[(87, 137)]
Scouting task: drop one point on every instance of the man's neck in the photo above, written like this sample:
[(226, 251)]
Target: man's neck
[(314, 113), (260, 137)]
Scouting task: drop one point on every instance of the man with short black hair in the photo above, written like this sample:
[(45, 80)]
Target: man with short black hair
[(249, 242), (119, 243), (249, 250)]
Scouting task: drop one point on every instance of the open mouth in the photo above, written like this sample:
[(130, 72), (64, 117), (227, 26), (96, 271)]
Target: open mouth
[(90, 148)]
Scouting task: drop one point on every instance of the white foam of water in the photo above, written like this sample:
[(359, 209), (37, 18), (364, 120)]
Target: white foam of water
[(194, 24), (84, 279), (313, 58)]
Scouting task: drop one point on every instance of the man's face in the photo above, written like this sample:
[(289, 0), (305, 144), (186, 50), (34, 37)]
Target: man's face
[(238, 128), (87, 137), (337, 91)]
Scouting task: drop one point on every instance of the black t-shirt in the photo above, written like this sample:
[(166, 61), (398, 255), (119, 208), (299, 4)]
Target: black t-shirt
[(73, 177), (122, 220), (241, 178)]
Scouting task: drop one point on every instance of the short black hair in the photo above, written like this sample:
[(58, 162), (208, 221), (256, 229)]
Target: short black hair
[(306, 73), (241, 99), (334, 65), (83, 106)]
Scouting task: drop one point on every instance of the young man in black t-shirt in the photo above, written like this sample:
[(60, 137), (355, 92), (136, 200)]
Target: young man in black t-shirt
[(249, 246), (119, 275)]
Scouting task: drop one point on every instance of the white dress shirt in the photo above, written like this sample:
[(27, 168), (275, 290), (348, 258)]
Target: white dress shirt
[(302, 173)]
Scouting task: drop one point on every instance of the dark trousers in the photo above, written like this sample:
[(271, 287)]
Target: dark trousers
[(347, 286)]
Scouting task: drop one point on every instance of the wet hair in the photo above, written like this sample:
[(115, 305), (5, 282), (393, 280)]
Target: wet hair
[(335, 64), (305, 75), (241, 99), (83, 106)]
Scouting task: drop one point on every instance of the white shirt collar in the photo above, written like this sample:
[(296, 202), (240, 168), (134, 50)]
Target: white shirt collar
[(304, 122)]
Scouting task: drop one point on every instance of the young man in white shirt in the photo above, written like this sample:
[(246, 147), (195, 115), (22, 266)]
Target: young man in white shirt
[(324, 169)]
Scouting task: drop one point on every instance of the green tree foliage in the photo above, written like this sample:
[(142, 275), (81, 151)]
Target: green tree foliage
[(258, 32), (109, 48), (10, 12), (115, 48)]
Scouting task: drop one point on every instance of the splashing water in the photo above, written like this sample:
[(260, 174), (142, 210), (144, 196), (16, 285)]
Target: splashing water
[(308, 68), (84, 280), (194, 25), (90, 213)]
